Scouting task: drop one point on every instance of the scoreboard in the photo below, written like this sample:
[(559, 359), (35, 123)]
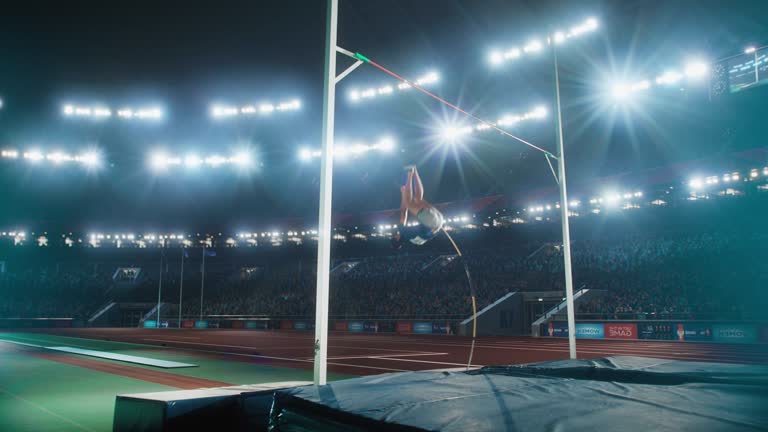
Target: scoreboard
[(740, 72)]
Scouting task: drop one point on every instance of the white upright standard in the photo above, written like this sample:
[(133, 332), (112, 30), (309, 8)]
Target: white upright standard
[(564, 213), (324, 234)]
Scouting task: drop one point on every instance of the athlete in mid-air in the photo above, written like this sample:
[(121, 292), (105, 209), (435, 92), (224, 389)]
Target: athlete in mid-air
[(412, 201)]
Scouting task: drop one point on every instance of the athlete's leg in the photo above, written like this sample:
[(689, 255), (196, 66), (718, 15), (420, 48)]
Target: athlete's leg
[(409, 188), (403, 206), (418, 192)]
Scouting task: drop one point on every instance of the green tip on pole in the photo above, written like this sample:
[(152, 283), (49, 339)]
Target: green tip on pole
[(362, 57)]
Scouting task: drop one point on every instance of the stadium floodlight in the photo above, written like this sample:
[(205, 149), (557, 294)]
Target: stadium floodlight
[(219, 111), (354, 150), (452, 133), (620, 90), (640, 85), (750, 50), (532, 46), (355, 95), (292, 105), (669, 77), (241, 159), (224, 111), (102, 112), (34, 156), (88, 159), (696, 69), (497, 57), (9, 154), (192, 161), (149, 113), (305, 154), (386, 145), (160, 161)]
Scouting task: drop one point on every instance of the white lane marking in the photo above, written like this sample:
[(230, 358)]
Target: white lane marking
[(561, 347), (270, 357), (384, 356), (546, 347), (427, 361)]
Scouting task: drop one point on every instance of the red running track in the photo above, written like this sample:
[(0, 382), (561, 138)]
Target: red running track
[(367, 354)]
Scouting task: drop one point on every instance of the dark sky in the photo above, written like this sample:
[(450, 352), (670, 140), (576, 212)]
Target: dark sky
[(186, 56)]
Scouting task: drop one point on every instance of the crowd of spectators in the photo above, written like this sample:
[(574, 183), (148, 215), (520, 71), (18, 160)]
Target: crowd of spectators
[(52, 292), (685, 275)]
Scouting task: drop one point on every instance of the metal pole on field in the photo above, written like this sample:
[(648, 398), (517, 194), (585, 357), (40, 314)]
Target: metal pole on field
[(564, 213), (326, 188), (202, 285), (160, 286), (181, 281)]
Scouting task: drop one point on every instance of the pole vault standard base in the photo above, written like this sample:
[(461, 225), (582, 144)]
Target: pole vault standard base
[(238, 408)]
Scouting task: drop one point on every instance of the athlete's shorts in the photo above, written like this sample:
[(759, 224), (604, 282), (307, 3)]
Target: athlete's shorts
[(431, 218)]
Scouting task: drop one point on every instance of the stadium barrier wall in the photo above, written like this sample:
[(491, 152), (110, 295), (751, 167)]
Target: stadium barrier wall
[(40, 323), (694, 331), (443, 327)]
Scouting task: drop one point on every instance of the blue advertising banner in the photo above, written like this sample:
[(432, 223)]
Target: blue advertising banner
[(300, 325), (355, 326), (422, 327), (590, 330), (150, 324), (440, 327), (256, 325), (697, 332), (734, 333), (370, 326), (201, 324)]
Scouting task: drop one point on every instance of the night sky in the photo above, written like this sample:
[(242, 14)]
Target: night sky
[(185, 57)]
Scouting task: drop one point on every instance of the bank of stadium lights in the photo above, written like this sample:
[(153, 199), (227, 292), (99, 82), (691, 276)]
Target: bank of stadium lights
[(225, 111), (450, 134), (697, 183), (694, 70), (352, 150), (613, 198), (88, 159), (121, 239), (549, 207), (161, 161), (103, 112), (535, 45), (373, 92)]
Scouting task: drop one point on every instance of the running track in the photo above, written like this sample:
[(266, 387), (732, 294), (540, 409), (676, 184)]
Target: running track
[(361, 354)]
